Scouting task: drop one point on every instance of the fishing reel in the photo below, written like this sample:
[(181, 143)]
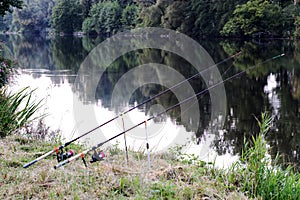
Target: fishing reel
[(61, 155), (97, 156)]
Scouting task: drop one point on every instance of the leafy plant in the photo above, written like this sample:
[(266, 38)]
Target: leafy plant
[(16, 110), (164, 190)]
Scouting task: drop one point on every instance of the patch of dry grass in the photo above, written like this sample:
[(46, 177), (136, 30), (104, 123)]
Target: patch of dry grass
[(112, 178)]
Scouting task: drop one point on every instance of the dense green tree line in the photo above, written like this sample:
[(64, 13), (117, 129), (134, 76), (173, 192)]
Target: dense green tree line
[(198, 18), (233, 18), (34, 17), (7, 5), (67, 16)]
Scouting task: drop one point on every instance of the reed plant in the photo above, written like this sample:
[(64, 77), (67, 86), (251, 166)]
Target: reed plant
[(258, 176), (6, 68), (16, 109)]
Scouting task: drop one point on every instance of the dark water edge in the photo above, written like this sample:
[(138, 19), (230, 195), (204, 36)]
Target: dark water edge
[(274, 86)]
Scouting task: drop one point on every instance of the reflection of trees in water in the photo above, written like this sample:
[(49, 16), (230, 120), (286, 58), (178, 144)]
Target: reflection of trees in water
[(36, 52), (90, 43), (296, 87), (284, 137), (68, 52), (32, 52), (245, 96), (137, 58), (245, 99)]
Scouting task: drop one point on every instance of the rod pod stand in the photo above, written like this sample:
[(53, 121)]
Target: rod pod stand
[(125, 141), (147, 146), (83, 159)]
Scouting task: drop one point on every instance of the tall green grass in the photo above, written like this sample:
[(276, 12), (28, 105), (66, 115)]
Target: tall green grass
[(16, 110), (258, 176)]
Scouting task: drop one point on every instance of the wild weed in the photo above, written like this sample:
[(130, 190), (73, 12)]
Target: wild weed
[(257, 176)]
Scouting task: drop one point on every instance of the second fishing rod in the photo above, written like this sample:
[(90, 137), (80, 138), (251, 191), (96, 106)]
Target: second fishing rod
[(93, 148), (59, 150)]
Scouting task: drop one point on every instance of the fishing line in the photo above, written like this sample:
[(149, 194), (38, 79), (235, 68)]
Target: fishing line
[(114, 118), (225, 80), (227, 70), (254, 66), (163, 112)]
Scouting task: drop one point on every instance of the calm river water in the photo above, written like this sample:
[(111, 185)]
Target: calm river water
[(52, 64)]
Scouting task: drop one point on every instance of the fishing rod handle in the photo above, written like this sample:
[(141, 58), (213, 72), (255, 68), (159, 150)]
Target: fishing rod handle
[(71, 159), (61, 164), (29, 164), (38, 159)]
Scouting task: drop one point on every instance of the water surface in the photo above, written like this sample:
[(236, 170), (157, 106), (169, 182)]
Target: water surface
[(51, 66)]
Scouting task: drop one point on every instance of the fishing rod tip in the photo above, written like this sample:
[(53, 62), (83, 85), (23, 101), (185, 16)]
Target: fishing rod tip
[(235, 55)]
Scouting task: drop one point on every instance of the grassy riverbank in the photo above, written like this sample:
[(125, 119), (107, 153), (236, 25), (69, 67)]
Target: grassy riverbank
[(112, 178), (254, 176)]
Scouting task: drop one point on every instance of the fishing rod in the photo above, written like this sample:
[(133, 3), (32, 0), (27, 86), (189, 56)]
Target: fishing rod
[(93, 148), (59, 150)]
